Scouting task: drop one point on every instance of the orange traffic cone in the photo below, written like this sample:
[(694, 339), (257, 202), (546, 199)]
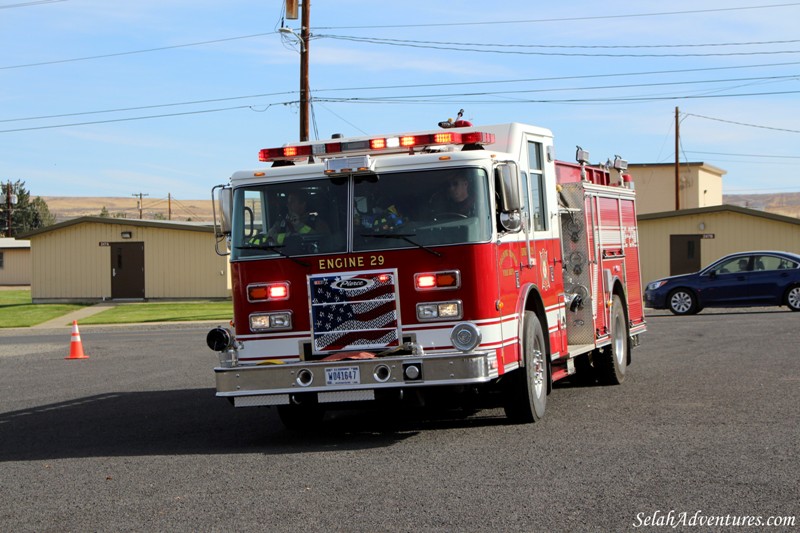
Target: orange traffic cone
[(75, 345)]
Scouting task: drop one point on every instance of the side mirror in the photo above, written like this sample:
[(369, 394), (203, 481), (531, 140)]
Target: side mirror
[(507, 179), (222, 201), (508, 188)]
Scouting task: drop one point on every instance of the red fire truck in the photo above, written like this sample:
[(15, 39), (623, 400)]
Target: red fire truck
[(462, 264)]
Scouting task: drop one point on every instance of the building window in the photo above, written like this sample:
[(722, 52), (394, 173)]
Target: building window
[(1, 260)]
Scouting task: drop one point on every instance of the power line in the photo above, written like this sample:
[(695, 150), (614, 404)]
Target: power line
[(378, 40), (139, 108), (202, 111), (592, 46), (741, 123), (262, 95), (132, 52), (27, 4), (439, 100), (566, 19), (745, 155), (463, 47)]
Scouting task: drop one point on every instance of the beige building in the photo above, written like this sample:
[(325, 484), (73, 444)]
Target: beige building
[(94, 258), (678, 242), (15, 262), (699, 185)]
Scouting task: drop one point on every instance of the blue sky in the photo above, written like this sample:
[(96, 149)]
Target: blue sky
[(102, 98)]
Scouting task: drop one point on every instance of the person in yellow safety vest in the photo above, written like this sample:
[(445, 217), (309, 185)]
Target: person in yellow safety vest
[(297, 220)]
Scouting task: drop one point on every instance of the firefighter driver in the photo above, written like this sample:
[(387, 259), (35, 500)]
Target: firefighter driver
[(457, 198), (297, 221)]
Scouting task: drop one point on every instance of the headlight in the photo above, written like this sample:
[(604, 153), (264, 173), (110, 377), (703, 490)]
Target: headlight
[(656, 284), (439, 311), (271, 321)]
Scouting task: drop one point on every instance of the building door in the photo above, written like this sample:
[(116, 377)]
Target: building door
[(684, 254), (127, 270)]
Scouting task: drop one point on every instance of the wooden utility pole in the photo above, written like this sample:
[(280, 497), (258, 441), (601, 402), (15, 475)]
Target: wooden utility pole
[(677, 159), (169, 206), (304, 93), (9, 202), (139, 195)]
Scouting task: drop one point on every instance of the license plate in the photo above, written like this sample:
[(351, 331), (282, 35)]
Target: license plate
[(342, 375)]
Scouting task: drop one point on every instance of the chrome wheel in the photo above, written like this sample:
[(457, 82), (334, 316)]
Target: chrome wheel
[(793, 298), (681, 302), (619, 330), (537, 376)]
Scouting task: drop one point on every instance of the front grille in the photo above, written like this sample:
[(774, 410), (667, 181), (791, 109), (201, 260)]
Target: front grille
[(354, 311)]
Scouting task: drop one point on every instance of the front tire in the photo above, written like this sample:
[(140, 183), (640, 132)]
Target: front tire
[(682, 302), (612, 361), (526, 395), (793, 298)]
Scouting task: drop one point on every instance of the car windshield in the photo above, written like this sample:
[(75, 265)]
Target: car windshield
[(364, 213)]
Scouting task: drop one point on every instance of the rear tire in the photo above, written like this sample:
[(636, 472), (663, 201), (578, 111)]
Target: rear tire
[(793, 298), (526, 393), (612, 360)]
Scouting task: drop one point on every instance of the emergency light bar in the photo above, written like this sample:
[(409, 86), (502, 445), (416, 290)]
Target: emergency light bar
[(340, 166), (377, 144)]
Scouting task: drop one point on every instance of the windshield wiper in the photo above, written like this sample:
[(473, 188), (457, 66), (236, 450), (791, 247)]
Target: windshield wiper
[(403, 236), (271, 248)]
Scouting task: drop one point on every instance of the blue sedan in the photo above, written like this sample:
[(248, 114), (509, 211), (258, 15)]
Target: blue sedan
[(737, 280)]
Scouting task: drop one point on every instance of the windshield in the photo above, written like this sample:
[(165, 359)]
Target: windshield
[(298, 218), (426, 208), (363, 213)]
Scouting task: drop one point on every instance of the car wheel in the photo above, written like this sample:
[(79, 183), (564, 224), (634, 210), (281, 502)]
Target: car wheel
[(793, 298), (682, 302)]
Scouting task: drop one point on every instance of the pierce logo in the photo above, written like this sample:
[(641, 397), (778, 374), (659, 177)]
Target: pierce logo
[(352, 284)]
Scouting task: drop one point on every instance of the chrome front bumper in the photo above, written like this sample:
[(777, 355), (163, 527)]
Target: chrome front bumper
[(350, 380)]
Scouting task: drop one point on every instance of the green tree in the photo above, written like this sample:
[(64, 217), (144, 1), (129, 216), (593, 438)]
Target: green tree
[(104, 213), (27, 215)]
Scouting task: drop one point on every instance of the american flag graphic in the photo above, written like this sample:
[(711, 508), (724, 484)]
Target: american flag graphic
[(354, 310)]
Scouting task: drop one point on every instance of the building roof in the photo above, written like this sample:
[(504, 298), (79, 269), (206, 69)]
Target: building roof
[(700, 164), (163, 224), (720, 209), (7, 243)]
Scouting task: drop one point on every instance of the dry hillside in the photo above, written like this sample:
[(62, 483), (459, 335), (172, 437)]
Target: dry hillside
[(67, 207), (787, 203)]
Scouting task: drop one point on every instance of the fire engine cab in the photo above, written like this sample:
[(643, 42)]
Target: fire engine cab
[(462, 264)]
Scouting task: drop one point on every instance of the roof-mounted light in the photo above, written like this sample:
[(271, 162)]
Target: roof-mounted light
[(341, 166), (375, 145)]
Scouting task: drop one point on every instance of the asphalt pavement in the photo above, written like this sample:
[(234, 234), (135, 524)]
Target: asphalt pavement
[(133, 439)]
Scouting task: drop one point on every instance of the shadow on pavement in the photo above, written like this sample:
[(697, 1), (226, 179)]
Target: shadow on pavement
[(194, 421)]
